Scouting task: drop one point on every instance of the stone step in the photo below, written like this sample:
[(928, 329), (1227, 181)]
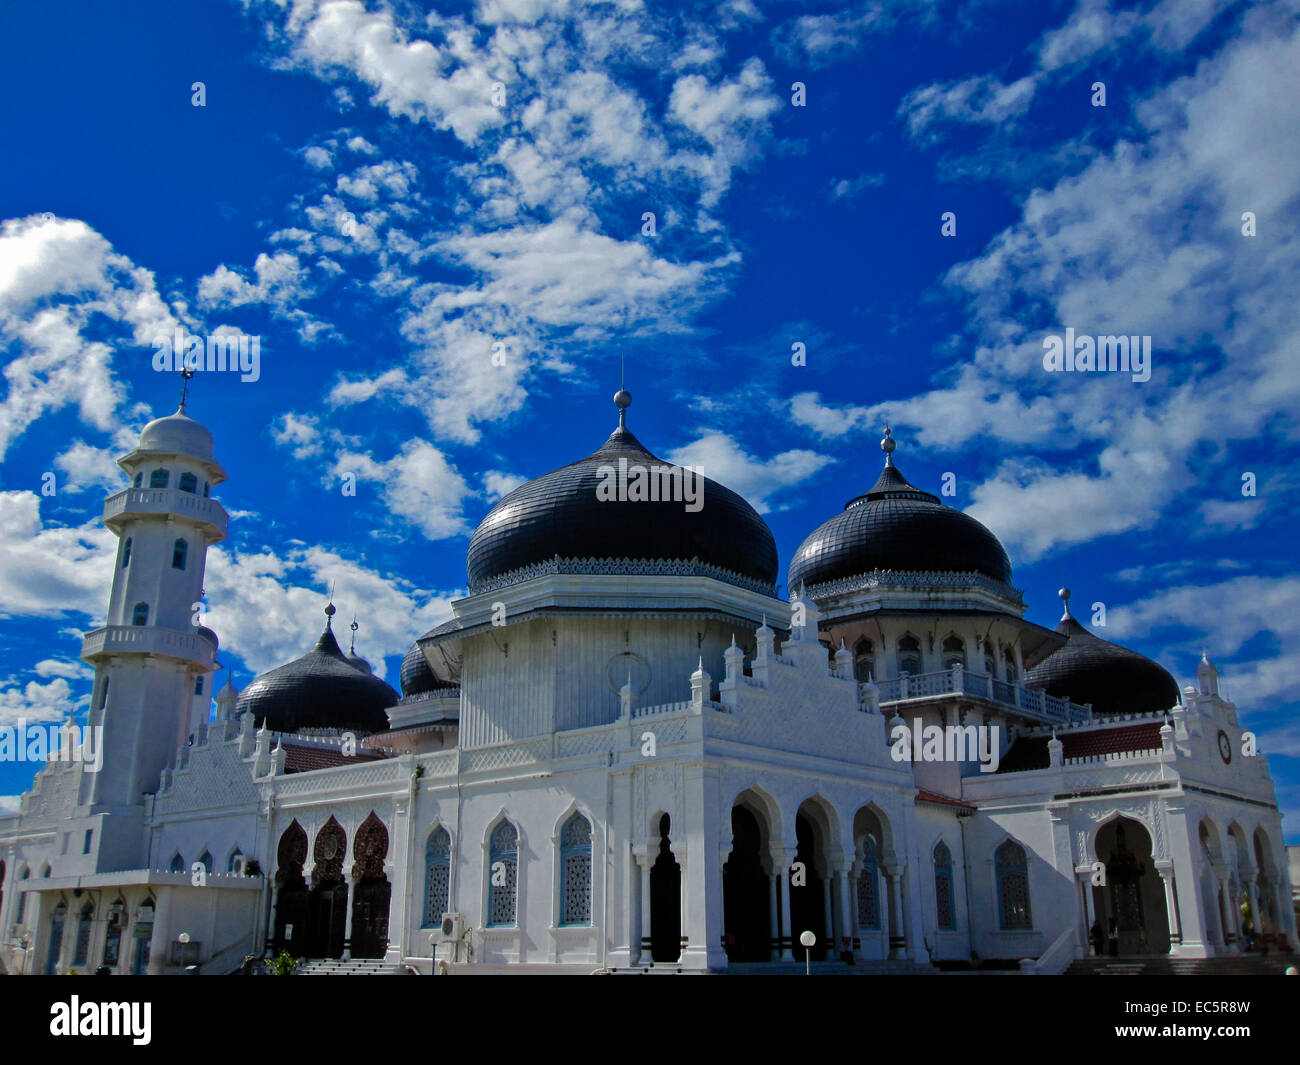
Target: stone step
[(1164, 965)]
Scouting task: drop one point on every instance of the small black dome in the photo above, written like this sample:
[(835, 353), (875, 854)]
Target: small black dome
[(560, 516), (208, 635), (417, 677), (1115, 680), (896, 526), (322, 689), (357, 662)]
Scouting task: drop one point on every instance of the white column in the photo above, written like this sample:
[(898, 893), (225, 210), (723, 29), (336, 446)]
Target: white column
[(848, 912), (774, 916), (781, 862), (347, 916), (1166, 871), (160, 944), (897, 933), (644, 862)]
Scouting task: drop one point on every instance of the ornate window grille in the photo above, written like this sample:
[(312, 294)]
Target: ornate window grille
[(503, 875), (868, 885), (437, 883), (1013, 886), (943, 887), (575, 861)]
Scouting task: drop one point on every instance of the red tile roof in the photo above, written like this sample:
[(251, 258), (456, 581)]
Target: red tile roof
[(1030, 752), (302, 759), (943, 800)]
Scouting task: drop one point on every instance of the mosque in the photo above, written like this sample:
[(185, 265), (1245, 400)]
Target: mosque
[(624, 752)]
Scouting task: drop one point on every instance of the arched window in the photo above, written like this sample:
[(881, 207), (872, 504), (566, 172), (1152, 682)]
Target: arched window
[(205, 490), (1013, 885), (954, 652), (575, 865), (179, 550), (990, 663), (85, 924), (22, 899), (188, 483), (113, 938), (503, 874), (868, 882), (103, 693), (909, 656), (139, 479), (943, 887), (205, 859), (198, 685), (437, 876), (126, 553), (159, 479), (177, 864), (232, 866), (864, 660), (1009, 659), (140, 615), (56, 938)]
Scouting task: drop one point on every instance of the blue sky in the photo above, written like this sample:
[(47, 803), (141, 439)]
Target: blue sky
[(354, 194)]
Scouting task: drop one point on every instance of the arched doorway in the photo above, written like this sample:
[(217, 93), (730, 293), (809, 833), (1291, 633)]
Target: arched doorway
[(665, 900), (746, 901), (292, 905), (370, 906), (329, 892), (809, 898), (1134, 895)]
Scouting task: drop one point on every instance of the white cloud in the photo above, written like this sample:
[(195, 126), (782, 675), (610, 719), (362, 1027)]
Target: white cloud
[(979, 99), (37, 702), (51, 571), (281, 281), (721, 459), (10, 804), (301, 432), (60, 667), (318, 158), (90, 467), (497, 485), (266, 606), (67, 301), (417, 484)]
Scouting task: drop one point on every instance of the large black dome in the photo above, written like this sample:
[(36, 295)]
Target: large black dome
[(322, 689), (560, 517), (896, 526), (1112, 678)]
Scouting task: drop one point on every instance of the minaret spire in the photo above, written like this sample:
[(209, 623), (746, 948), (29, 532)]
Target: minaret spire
[(186, 374), (622, 400), (352, 648), (1064, 593), (887, 445)]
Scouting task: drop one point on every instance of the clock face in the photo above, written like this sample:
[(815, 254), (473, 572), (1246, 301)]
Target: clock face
[(1225, 748)]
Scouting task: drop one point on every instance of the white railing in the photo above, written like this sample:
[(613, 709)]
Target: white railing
[(147, 639), (166, 501), (963, 682)]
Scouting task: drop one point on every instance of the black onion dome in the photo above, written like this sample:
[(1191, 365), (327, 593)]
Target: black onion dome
[(559, 516), (1115, 680), (417, 677), (357, 662), (320, 690), (896, 526)]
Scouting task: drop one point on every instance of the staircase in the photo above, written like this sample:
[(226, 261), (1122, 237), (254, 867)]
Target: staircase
[(790, 968), (1165, 965), (357, 967)]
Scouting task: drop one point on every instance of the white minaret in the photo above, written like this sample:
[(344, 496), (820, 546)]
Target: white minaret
[(153, 653)]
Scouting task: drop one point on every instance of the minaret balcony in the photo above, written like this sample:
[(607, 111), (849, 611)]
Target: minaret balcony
[(148, 640), (166, 501), (892, 695)]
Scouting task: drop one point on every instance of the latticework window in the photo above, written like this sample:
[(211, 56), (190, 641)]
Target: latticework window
[(868, 879), (503, 874), (943, 887), (437, 885), (1013, 885), (575, 858), (82, 950)]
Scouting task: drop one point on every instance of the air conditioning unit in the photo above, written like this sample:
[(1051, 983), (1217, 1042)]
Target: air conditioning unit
[(454, 927)]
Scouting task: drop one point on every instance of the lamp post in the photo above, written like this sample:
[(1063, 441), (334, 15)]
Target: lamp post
[(808, 940)]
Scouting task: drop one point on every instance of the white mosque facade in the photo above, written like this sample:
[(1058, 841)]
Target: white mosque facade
[(625, 751)]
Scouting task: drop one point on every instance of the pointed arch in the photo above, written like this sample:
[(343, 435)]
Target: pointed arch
[(944, 895), (437, 875), (502, 873), (370, 847), (575, 869), (177, 863), (1011, 868)]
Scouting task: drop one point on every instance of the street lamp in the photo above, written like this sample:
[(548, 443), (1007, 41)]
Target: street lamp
[(809, 940)]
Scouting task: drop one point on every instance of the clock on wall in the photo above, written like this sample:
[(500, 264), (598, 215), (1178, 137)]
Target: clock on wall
[(1225, 748)]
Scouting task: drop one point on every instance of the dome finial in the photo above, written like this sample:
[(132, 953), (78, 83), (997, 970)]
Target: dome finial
[(330, 611), (887, 445), (1064, 593), (622, 400), (352, 648), (186, 374)]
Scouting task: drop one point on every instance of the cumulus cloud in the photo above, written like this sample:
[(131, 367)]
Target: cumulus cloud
[(418, 484), (299, 432), (37, 702), (68, 303), (721, 459), (51, 571), (497, 485)]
